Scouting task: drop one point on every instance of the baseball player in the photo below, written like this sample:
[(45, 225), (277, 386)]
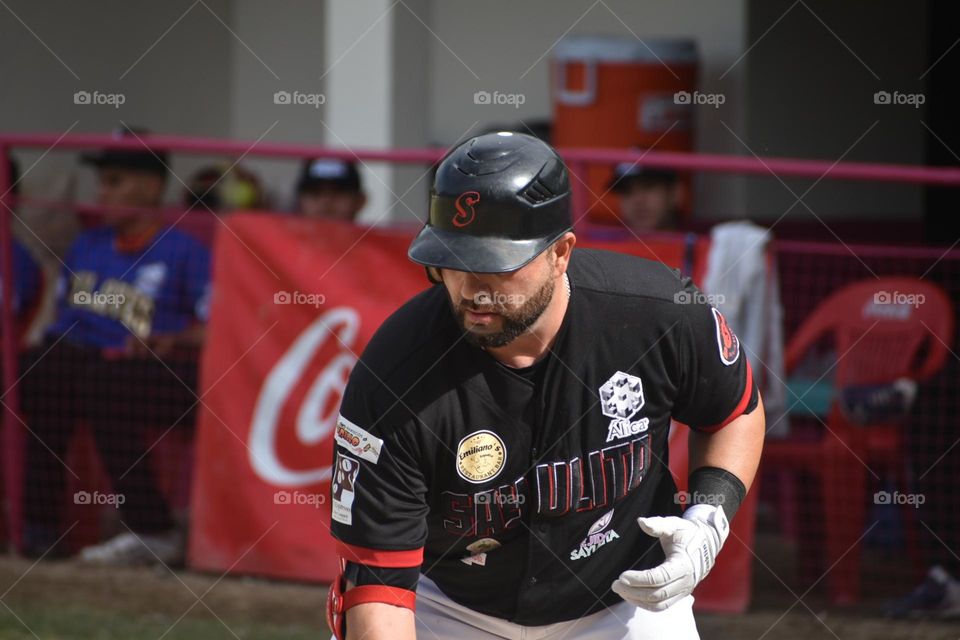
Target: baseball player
[(501, 464)]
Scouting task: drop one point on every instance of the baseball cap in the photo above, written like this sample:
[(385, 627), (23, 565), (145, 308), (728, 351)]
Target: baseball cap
[(329, 171), (626, 172), (146, 160)]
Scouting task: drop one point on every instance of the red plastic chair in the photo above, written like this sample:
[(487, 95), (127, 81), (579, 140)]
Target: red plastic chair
[(880, 334)]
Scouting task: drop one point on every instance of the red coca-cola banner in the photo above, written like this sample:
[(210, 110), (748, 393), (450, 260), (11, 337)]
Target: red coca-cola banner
[(294, 304)]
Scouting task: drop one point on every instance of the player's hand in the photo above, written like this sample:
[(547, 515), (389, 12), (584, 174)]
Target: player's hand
[(691, 544)]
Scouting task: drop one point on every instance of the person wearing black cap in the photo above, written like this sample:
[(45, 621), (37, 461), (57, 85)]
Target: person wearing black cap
[(649, 198), (121, 355), (330, 188), (129, 178)]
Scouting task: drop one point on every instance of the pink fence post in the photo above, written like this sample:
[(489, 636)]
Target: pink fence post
[(11, 438)]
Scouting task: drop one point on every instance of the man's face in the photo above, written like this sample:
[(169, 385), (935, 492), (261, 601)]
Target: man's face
[(648, 205), (330, 202), (495, 308), (120, 187)]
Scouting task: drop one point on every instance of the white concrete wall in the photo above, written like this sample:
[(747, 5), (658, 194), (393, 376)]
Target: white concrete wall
[(503, 45), (173, 83), (279, 46)]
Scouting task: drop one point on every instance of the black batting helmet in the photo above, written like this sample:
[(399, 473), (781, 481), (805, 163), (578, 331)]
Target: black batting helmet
[(498, 201)]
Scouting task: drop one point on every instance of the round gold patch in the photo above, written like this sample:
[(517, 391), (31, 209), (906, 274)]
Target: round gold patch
[(480, 456)]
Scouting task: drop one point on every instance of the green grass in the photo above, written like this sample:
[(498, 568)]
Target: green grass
[(72, 622)]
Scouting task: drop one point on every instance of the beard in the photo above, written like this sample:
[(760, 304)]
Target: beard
[(514, 322)]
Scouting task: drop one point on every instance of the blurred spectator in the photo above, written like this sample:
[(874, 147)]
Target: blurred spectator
[(649, 198), (27, 277), (121, 356), (331, 189), (224, 189), (201, 190)]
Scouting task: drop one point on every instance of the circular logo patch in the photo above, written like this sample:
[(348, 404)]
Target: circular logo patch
[(480, 456)]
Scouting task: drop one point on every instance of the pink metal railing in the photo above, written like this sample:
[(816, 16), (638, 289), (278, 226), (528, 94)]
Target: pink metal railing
[(577, 159)]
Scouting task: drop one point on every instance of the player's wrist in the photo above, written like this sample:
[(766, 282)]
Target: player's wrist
[(713, 486), (712, 516)]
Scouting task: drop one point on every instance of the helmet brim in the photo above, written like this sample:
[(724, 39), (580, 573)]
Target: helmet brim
[(446, 249)]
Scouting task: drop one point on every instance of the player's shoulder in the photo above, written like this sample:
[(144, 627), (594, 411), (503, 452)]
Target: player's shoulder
[(410, 340), (622, 275)]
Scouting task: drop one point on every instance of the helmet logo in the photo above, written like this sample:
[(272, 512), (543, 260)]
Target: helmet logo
[(466, 211)]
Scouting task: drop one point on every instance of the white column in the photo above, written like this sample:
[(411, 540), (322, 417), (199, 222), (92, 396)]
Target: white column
[(375, 87)]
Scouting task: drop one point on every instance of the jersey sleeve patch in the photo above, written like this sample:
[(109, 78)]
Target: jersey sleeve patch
[(727, 340), (343, 487), (357, 440)]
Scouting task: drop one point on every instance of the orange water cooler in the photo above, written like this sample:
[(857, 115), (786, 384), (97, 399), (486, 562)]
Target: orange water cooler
[(616, 92)]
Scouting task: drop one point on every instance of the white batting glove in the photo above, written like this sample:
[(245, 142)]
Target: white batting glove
[(691, 545)]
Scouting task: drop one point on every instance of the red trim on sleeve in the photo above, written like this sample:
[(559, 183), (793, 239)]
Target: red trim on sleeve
[(379, 593), (380, 558), (741, 406)]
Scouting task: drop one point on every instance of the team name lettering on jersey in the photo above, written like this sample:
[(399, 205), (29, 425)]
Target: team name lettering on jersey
[(601, 479), (581, 484), (484, 513)]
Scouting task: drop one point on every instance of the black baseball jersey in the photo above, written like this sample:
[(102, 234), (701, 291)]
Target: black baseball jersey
[(517, 491)]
